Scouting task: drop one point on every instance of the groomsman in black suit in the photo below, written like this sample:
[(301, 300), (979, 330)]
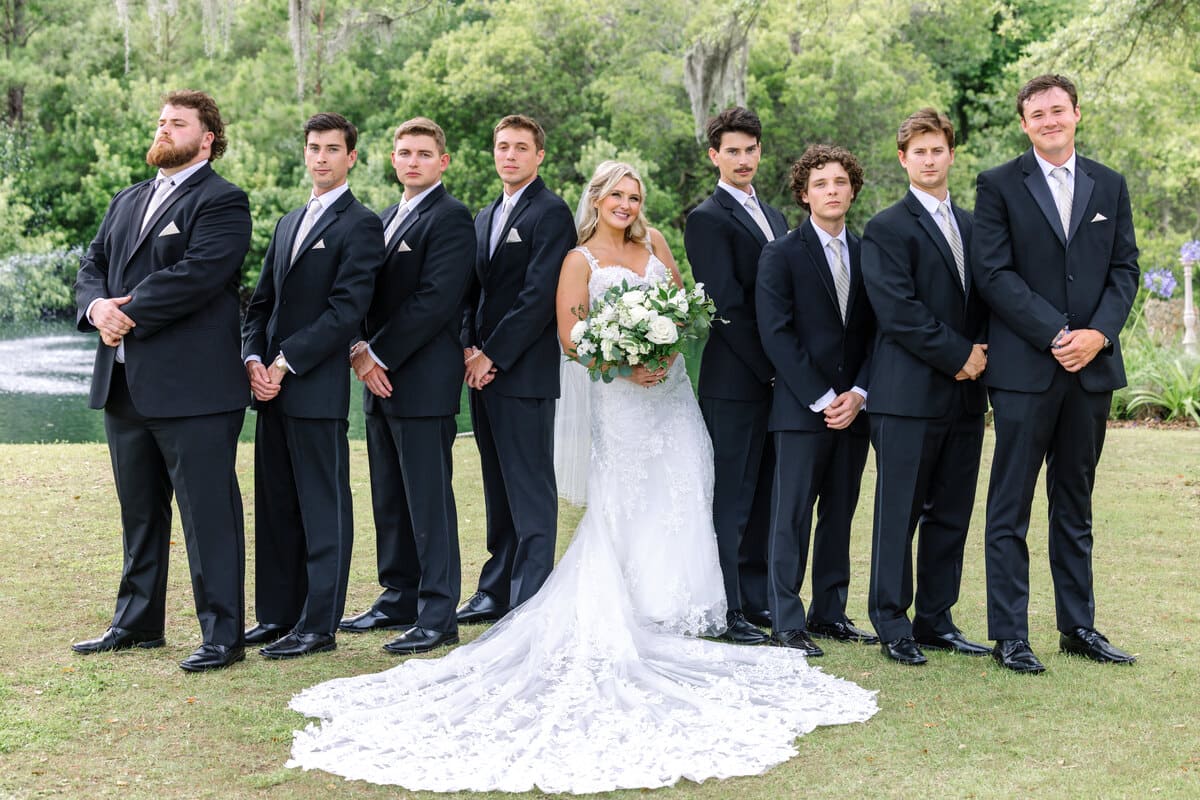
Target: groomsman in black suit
[(410, 361), (314, 290), (1056, 260), (510, 346), (160, 284), (817, 328), (926, 406), (724, 237)]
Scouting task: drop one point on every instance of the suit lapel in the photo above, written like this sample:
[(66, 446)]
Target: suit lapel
[(1082, 196), (856, 279), (820, 264), (964, 229), (327, 218), (740, 214), (775, 219), (1035, 182), (934, 232), (514, 215)]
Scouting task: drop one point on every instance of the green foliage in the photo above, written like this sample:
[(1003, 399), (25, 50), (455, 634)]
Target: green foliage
[(33, 286), (1167, 387)]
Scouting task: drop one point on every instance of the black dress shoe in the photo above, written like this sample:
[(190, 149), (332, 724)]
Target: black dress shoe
[(419, 640), (265, 633), (481, 607), (739, 631), (955, 642), (1016, 654), (842, 631), (297, 644), (118, 639), (1091, 643), (762, 617), (212, 656), (374, 620), (797, 640), (904, 650)]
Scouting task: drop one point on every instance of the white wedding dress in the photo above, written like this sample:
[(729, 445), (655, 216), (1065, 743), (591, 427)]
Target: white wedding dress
[(597, 682)]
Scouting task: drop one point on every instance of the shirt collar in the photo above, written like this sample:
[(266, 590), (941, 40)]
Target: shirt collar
[(737, 194), (1046, 166), (179, 177), (928, 201), (330, 197), (416, 201), (511, 199), (826, 238)]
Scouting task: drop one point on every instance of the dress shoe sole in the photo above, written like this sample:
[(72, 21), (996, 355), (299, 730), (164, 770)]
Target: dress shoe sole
[(474, 619), (945, 648), (209, 667), (1098, 659), (908, 662), (325, 648), (746, 640), (405, 650), (273, 637), (149, 644), (394, 626)]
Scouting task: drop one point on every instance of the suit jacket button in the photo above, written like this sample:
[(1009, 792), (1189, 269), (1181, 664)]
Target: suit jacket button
[(1070, 277)]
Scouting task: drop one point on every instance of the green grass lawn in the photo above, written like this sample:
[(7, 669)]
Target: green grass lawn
[(132, 725)]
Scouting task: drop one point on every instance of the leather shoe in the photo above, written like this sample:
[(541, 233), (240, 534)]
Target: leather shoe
[(843, 631), (265, 633), (955, 642), (1017, 655), (740, 631), (481, 607), (904, 650), (761, 617), (118, 639), (297, 644), (373, 620), (797, 640), (1091, 643), (212, 656), (419, 640)]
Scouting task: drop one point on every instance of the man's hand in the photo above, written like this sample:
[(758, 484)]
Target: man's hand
[(110, 320), (361, 361), (480, 369), (1076, 349), (842, 411), (276, 374), (976, 364), (376, 380), (260, 382)]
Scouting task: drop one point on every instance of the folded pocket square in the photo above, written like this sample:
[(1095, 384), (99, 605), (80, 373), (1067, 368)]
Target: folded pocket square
[(513, 236), (403, 248), (170, 230), (320, 245), (1099, 217)]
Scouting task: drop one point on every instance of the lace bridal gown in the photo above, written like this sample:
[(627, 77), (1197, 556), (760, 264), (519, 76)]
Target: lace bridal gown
[(596, 683)]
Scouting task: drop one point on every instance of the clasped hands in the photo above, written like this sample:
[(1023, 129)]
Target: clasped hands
[(842, 411), (367, 370), (110, 320), (1074, 350), (264, 381), (976, 364), (480, 370)]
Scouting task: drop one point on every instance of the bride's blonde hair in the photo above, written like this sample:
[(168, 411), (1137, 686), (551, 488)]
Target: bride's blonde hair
[(607, 175)]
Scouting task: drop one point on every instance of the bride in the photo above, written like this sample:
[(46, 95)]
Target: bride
[(597, 682)]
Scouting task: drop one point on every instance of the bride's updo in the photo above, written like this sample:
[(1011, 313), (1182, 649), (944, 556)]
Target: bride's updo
[(608, 174)]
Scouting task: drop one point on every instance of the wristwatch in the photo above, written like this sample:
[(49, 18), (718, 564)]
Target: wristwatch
[(280, 363)]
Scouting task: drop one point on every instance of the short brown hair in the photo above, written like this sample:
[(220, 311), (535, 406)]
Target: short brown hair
[(206, 109), (817, 156), (927, 120), (328, 121), (524, 123), (1044, 83), (733, 120), (421, 126)]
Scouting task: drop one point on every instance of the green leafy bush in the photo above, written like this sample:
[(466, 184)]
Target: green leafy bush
[(38, 285)]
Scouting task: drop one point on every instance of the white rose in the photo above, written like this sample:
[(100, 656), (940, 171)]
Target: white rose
[(585, 348), (578, 330), (638, 313), (662, 331), (634, 297), (634, 358)]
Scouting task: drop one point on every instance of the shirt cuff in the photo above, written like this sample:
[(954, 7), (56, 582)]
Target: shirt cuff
[(88, 314), (858, 390), (375, 358), (824, 401), (248, 359)]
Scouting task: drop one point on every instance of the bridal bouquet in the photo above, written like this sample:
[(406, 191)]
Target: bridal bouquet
[(631, 326)]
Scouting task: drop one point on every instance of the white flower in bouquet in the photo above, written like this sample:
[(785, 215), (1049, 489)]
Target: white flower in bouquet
[(638, 314), (633, 297), (662, 331), (578, 331)]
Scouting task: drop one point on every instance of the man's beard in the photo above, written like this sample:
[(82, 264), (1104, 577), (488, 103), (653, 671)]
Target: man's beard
[(164, 155)]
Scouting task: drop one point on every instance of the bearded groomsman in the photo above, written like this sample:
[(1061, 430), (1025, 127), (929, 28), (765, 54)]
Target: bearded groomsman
[(817, 328), (724, 237), (306, 311), (510, 346), (1056, 260), (160, 284), (410, 360), (926, 404)]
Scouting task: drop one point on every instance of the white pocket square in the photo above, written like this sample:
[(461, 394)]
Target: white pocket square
[(170, 230), (1099, 217), (513, 236), (403, 248), (320, 245)]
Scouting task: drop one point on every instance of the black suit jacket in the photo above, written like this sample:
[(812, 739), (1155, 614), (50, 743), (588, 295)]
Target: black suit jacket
[(313, 309), (413, 324), (509, 308), (1035, 279), (927, 323), (802, 330), (723, 244), (183, 271)]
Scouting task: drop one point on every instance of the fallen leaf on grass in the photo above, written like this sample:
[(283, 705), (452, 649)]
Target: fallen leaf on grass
[(930, 724), (191, 700)]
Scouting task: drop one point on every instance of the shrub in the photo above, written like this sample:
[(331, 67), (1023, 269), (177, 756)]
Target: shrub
[(38, 285)]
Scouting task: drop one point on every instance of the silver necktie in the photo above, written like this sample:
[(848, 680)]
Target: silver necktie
[(841, 277), (394, 225), (951, 234), (310, 217), (1063, 197), (162, 189), (498, 224), (756, 214)]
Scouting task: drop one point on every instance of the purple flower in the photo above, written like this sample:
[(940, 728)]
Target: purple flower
[(1190, 252), (1160, 282)]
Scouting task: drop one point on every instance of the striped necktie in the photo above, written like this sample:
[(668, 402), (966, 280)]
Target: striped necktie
[(841, 277), (1063, 197), (951, 234)]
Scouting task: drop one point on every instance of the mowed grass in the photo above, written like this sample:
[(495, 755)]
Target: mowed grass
[(132, 725)]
